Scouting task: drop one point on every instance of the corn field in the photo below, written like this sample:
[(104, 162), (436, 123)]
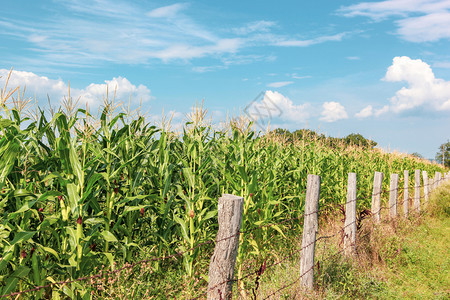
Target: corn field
[(78, 191)]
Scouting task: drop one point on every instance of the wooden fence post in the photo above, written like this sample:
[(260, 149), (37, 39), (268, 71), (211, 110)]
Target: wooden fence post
[(406, 194), (310, 228), (376, 195), (436, 180), (393, 195), (425, 185), (350, 216), (221, 267), (417, 190)]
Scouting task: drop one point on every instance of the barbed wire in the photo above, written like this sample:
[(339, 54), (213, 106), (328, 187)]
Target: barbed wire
[(312, 267), (324, 237), (178, 254)]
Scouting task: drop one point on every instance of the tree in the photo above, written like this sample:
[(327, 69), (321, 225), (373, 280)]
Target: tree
[(416, 154), (358, 140), (443, 154), (308, 134), (284, 133)]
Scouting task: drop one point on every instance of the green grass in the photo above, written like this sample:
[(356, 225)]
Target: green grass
[(422, 268)]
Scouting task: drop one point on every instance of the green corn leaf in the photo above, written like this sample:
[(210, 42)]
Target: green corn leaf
[(74, 197), (22, 237), (50, 250), (24, 208), (7, 159), (243, 173), (13, 279), (184, 228), (110, 258), (134, 208), (5, 259), (108, 236), (76, 164), (188, 176), (4, 123), (68, 291), (94, 221)]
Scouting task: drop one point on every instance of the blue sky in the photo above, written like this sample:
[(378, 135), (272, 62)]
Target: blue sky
[(379, 68)]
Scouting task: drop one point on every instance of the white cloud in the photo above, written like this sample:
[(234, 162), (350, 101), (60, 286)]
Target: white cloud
[(122, 88), (126, 33), (169, 11), (382, 9), (35, 85), (333, 111), (183, 51), (428, 28), (275, 105), (204, 69), (296, 76), (57, 89), (309, 42), (419, 20), (365, 112), (279, 84), (424, 89), (381, 111), (257, 26), (129, 34), (353, 57)]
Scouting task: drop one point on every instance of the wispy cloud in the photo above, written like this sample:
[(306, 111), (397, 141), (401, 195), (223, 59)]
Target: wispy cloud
[(90, 33), (309, 42), (418, 20), (124, 33), (169, 11), (296, 76), (279, 84), (428, 28), (187, 52), (442, 64), (257, 26), (204, 69)]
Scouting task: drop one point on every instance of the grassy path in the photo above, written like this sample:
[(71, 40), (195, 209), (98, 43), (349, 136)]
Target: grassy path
[(403, 259), (421, 270)]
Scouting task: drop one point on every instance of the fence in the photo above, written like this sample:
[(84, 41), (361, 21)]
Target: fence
[(230, 210), (221, 279)]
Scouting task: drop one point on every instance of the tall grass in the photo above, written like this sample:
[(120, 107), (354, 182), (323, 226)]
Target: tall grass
[(78, 192)]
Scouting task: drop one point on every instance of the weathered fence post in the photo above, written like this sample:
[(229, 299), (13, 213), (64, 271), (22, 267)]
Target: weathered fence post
[(393, 195), (431, 184), (350, 216), (406, 194), (376, 195), (436, 180), (425, 185), (310, 228), (221, 267), (417, 190)]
